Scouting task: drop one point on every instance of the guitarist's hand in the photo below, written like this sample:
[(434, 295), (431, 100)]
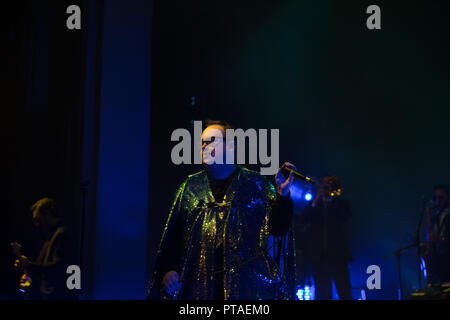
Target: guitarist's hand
[(21, 263)]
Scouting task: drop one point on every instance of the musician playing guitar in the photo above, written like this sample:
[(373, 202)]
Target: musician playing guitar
[(45, 277), (437, 226)]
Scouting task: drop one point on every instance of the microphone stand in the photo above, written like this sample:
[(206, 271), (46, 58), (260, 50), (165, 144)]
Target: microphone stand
[(417, 241), (84, 190), (398, 253)]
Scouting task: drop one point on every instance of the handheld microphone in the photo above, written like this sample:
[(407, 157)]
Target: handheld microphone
[(297, 174)]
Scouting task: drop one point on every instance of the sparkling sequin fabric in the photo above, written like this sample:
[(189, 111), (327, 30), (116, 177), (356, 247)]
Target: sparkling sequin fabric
[(239, 224)]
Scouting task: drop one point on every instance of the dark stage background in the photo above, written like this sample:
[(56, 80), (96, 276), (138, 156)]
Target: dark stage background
[(96, 108), (369, 106), (42, 122)]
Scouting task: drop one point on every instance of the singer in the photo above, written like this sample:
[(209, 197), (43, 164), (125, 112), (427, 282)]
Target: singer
[(215, 244)]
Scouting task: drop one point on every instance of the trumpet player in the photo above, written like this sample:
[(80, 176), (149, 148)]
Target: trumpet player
[(328, 249)]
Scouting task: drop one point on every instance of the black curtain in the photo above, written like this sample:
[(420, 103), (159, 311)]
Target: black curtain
[(42, 122)]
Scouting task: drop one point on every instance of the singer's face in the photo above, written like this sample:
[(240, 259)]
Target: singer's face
[(213, 144), (441, 198)]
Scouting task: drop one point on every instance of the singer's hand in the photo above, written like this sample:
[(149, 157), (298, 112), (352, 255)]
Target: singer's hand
[(283, 184), (170, 282)]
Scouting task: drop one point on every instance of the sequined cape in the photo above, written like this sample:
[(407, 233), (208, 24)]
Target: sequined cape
[(257, 265)]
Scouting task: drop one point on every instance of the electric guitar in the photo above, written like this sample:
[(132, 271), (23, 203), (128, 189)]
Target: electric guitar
[(20, 264)]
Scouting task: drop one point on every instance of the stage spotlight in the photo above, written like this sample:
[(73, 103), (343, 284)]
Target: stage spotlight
[(300, 294), (305, 293), (308, 196)]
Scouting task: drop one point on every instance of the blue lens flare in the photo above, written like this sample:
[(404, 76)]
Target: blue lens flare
[(308, 196)]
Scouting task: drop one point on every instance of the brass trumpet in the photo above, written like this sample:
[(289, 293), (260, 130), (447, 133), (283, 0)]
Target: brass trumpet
[(333, 186)]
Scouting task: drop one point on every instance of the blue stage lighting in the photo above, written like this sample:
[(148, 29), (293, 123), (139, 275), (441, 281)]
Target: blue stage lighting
[(308, 196), (363, 295), (423, 267), (304, 293)]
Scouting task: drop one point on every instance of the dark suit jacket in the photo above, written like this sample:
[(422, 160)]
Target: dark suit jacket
[(326, 234)]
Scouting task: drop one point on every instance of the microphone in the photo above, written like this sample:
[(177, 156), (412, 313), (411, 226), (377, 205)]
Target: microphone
[(297, 174)]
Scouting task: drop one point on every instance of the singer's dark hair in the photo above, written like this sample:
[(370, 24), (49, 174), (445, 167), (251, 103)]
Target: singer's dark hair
[(444, 187)]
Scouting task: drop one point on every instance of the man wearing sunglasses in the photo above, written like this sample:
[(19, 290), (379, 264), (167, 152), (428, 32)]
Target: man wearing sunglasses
[(224, 224)]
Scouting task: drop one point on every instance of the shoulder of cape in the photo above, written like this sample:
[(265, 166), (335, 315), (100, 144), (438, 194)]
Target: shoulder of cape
[(261, 181), (195, 176), (250, 173), (255, 175), (192, 179)]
